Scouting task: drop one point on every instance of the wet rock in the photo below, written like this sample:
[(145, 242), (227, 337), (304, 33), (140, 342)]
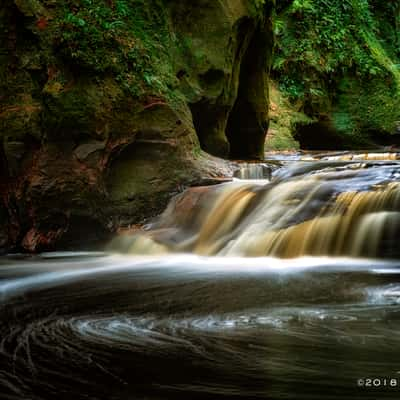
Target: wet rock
[(226, 87), (107, 147), (84, 150)]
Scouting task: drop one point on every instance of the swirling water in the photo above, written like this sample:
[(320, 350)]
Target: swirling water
[(186, 326), (123, 327)]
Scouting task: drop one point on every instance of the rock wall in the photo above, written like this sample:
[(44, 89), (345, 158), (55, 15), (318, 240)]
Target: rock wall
[(347, 83), (107, 109)]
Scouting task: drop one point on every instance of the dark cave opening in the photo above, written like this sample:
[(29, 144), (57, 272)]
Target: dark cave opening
[(209, 122), (248, 120), (236, 129)]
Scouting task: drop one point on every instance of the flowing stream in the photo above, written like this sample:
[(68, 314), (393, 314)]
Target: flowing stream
[(284, 284)]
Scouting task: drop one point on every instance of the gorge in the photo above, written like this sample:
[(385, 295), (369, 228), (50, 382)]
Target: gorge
[(199, 199)]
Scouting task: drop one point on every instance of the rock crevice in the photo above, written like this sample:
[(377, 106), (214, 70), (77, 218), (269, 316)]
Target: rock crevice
[(105, 115)]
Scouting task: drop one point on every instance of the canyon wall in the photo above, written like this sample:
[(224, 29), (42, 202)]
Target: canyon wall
[(110, 107)]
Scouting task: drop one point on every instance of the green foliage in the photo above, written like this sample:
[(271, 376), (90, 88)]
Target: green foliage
[(368, 104), (259, 7), (128, 38), (259, 4), (326, 35), (292, 87), (284, 119), (321, 44)]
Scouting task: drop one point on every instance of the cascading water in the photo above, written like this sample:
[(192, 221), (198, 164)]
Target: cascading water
[(241, 317), (318, 208), (254, 171)]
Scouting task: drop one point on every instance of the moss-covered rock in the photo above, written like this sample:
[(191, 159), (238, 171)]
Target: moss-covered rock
[(227, 54), (106, 108), (285, 116), (339, 60)]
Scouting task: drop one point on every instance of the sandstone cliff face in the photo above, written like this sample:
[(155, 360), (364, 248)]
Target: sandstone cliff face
[(107, 108)]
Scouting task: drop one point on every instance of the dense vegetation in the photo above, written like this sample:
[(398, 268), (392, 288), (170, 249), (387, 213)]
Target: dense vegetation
[(118, 37), (129, 38), (339, 60)]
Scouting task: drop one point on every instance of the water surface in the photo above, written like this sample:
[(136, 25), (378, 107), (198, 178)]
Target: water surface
[(179, 327), (283, 284)]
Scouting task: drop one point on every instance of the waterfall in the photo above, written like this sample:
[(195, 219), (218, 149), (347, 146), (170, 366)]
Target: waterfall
[(253, 171), (252, 289), (330, 207)]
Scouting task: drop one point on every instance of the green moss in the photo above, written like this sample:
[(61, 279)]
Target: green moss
[(129, 39), (341, 58), (366, 106), (72, 113), (284, 119)]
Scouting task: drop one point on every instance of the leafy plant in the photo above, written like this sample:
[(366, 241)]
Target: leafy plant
[(129, 38), (320, 44)]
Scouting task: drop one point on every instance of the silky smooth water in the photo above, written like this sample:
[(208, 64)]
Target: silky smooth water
[(183, 327), (180, 325), (328, 207)]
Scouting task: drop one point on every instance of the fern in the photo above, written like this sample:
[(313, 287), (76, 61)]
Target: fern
[(321, 43)]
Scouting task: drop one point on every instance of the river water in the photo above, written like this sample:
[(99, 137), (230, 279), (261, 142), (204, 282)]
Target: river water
[(229, 294)]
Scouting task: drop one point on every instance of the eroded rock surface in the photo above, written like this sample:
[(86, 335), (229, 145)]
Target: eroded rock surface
[(104, 115)]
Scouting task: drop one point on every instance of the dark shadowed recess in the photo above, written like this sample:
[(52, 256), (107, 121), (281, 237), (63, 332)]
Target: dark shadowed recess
[(322, 135), (208, 119), (248, 120), (238, 130)]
